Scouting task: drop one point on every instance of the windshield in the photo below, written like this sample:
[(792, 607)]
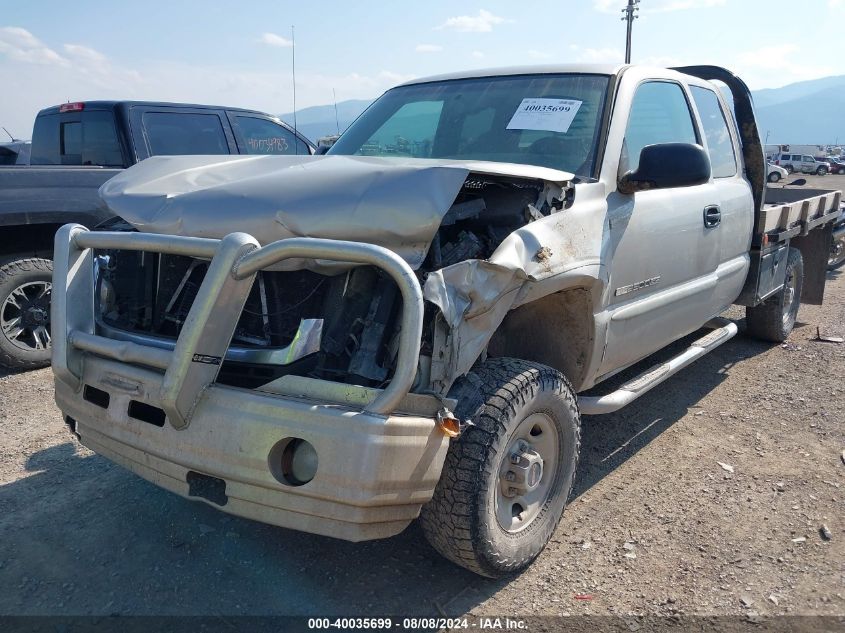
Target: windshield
[(545, 120)]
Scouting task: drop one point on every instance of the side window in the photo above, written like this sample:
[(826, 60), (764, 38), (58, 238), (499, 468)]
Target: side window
[(87, 138), (659, 114), (262, 136), (184, 133), (719, 143)]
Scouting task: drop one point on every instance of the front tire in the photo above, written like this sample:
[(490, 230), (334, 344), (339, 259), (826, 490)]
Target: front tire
[(821, 171), (774, 176), (774, 319), (507, 478), (25, 289), (789, 169)]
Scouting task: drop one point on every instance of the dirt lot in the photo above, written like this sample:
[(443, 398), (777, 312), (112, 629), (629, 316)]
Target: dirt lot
[(656, 526)]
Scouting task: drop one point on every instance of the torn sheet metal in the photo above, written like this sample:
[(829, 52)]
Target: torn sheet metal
[(397, 203), (473, 296)]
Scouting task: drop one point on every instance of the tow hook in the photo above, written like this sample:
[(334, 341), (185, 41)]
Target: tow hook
[(450, 424)]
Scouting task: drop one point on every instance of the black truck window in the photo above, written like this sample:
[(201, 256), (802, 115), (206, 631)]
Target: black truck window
[(77, 138), (184, 133), (262, 136)]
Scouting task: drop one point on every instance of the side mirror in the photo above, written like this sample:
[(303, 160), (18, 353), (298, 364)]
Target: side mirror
[(667, 165)]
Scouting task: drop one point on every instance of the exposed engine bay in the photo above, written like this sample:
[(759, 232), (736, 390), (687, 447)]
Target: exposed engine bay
[(340, 325)]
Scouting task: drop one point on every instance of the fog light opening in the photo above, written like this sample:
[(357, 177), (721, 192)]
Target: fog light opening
[(293, 461)]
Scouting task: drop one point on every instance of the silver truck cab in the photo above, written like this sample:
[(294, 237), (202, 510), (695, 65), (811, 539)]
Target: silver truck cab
[(407, 325)]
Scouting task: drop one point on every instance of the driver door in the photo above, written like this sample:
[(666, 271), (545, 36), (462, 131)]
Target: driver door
[(664, 258)]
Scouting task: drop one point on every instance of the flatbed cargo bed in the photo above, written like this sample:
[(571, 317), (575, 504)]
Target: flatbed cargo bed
[(785, 210)]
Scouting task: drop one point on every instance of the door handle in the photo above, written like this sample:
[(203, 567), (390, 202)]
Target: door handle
[(712, 216)]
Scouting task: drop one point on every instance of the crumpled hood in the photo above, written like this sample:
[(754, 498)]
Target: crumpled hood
[(397, 203)]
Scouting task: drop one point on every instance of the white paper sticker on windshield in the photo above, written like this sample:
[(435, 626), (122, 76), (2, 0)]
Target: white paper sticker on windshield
[(549, 115)]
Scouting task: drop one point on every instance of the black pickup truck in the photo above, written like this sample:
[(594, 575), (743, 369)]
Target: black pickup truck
[(76, 147)]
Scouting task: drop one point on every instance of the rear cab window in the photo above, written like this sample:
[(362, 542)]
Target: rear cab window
[(258, 135), (720, 145), (77, 138)]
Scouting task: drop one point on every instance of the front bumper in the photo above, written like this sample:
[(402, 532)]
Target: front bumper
[(376, 468), (373, 476)]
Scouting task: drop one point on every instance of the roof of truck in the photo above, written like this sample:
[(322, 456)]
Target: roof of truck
[(546, 69), (109, 104)]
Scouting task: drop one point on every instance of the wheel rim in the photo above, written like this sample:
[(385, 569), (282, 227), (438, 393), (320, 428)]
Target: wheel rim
[(837, 252), (25, 316), (527, 472), (789, 297)]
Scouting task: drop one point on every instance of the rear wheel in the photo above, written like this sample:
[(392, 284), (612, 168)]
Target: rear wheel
[(507, 478), (25, 289), (837, 253), (789, 169), (774, 319)]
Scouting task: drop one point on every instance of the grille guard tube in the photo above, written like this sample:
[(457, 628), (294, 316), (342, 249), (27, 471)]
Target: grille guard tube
[(185, 380)]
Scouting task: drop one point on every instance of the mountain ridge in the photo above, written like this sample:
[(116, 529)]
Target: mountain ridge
[(804, 112)]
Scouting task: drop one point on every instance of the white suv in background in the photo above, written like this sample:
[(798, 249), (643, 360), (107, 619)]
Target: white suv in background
[(802, 163)]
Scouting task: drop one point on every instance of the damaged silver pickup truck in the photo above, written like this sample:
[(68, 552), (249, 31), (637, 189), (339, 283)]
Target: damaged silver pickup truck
[(407, 325)]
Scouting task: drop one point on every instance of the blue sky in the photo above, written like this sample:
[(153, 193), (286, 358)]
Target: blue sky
[(239, 54)]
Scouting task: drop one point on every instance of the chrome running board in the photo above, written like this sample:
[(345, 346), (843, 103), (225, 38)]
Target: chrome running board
[(596, 405)]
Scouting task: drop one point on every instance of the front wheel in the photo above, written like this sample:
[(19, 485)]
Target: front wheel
[(821, 171), (774, 176), (774, 319), (789, 169), (507, 478)]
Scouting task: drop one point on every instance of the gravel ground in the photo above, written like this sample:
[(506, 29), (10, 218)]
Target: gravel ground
[(709, 495)]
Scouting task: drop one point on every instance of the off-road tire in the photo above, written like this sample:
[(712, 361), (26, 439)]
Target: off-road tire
[(12, 275), (460, 521), (837, 254), (772, 320)]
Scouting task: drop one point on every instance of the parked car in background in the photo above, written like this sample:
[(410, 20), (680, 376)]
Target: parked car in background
[(76, 147), (802, 163), (15, 153), (776, 173), (837, 165)]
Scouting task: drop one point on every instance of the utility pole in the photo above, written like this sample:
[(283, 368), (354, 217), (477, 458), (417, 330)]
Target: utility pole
[(630, 14)]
